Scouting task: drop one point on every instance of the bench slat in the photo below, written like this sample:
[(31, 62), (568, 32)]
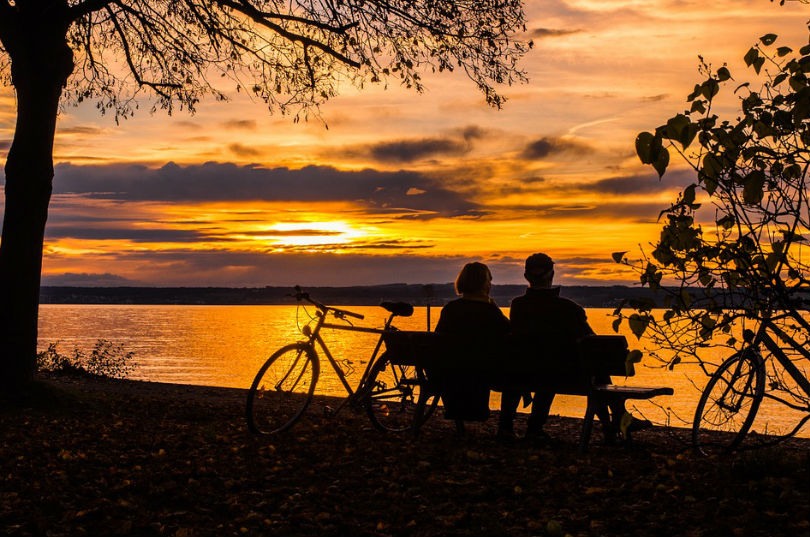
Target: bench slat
[(634, 392)]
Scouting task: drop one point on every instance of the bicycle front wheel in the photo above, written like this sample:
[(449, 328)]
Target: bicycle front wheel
[(282, 389), (393, 401), (729, 403)]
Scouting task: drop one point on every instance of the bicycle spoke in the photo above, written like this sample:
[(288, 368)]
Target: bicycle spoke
[(393, 398), (282, 389), (729, 404)]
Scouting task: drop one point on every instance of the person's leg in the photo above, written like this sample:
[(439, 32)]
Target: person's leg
[(510, 399), (541, 406)]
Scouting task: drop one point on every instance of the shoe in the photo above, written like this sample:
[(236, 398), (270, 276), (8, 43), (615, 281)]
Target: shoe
[(628, 424)]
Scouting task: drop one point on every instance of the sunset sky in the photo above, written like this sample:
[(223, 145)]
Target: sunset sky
[(403, 187)]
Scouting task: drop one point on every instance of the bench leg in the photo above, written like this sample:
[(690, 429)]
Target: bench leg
[(587, 426), (419, 412)]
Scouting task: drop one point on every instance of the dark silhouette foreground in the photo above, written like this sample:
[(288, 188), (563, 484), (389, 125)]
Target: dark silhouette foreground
[(103, 457)]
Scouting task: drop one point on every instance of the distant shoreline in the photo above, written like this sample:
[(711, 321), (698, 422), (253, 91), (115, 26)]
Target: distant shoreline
[(417, 294)]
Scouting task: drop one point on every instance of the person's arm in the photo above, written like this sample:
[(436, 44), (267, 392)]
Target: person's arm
[(584, 327)]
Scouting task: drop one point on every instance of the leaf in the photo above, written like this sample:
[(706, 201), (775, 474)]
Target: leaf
[(661, 162), (723, 74), (751, 56), (644, 147), (711, 166), (618, 257), (710, 88), (688, 196), (681, 129), (768, 39), (783, 51), (753, 191), (638, 324), (633, 357)]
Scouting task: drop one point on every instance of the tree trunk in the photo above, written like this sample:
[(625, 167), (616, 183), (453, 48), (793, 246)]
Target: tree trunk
[(41, 61)]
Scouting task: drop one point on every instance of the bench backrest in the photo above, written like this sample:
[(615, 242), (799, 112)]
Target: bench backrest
[(599, 355), (411, 347), (606, 355)]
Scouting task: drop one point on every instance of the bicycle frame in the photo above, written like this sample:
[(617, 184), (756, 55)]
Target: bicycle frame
[(314, 337), (772, 344)]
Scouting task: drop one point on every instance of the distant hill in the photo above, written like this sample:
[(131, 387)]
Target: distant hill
[(437, 294)]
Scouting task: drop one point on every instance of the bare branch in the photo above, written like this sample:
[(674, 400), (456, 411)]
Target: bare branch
[(87, 7), (261, 18), (157, 86)]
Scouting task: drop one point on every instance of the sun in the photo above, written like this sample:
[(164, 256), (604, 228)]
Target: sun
[(302, 234)]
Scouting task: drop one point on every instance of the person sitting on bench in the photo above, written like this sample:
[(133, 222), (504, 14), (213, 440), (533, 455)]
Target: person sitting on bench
[(476, 327), (549, 326)]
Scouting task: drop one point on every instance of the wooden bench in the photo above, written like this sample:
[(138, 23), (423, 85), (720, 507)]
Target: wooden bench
[(599, 356)]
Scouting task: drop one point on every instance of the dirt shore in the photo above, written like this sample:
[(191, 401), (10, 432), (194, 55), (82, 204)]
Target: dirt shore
[(99, 457)]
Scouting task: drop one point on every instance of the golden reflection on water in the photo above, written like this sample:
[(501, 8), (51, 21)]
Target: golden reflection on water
[(225, 345)]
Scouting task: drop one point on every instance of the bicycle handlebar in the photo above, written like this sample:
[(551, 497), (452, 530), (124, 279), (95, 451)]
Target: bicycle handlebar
[(300, 295)]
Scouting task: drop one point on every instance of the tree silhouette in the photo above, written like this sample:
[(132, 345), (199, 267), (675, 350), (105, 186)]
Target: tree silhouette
[(732, 248), (292, 55)]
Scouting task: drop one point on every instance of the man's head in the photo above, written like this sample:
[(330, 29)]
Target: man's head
[(539, 270)]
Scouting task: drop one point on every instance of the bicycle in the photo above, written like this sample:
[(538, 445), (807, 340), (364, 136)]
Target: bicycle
[(390, 390), (731, 399)]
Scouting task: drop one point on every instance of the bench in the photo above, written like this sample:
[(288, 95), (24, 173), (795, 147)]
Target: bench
[(599, 357)]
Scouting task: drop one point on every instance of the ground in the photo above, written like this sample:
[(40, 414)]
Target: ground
[(101, 457)]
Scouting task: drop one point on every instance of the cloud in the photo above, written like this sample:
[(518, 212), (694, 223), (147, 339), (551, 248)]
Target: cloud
[(457, 142), (376, 190), (640, 184), (72, 279), (240, 124), (413, 150), (548, 146), (544, 33), (221, 268), (134, 234), (87, 130), (241, 150)]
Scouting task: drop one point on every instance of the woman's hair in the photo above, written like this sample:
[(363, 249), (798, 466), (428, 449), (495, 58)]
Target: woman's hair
[(473, 278)]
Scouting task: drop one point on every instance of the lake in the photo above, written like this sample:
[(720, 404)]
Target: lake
[(225, 345)]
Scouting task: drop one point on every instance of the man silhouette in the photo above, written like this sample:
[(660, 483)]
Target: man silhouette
[(549, 326)]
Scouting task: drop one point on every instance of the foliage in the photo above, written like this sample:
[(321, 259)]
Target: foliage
[(732, 247), (291, 55), (105, 360)]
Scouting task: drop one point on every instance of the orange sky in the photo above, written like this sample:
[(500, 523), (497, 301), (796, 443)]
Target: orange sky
[(402, 187)]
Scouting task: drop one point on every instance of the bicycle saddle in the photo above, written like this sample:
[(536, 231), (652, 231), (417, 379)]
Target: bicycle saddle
[(403, 309)]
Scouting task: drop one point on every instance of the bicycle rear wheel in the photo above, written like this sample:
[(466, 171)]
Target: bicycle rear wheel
[(729, 403), (393, 400), (282, 389)]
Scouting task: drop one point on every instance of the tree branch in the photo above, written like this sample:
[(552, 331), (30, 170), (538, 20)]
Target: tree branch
[(294, 18), (261, 18), (87, 7), (156, 86)]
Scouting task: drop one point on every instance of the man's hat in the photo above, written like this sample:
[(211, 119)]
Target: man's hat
[(539, 264)]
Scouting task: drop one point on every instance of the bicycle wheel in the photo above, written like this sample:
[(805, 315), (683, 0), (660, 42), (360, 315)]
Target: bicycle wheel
[(282, 389), (729, 403), (394, 396)]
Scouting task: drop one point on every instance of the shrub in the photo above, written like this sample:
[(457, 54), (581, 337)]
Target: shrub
[(105, 360)]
